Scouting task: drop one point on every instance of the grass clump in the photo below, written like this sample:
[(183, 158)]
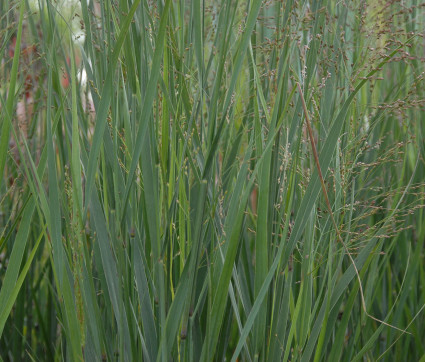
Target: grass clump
[(186, 180)]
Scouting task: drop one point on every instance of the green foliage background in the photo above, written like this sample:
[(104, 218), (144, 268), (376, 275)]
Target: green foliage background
[(159, 194)]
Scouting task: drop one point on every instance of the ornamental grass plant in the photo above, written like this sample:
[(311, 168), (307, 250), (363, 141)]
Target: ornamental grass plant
[(212, 180)]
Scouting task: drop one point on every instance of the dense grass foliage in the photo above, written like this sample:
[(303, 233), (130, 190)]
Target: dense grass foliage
[(212, 180)]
